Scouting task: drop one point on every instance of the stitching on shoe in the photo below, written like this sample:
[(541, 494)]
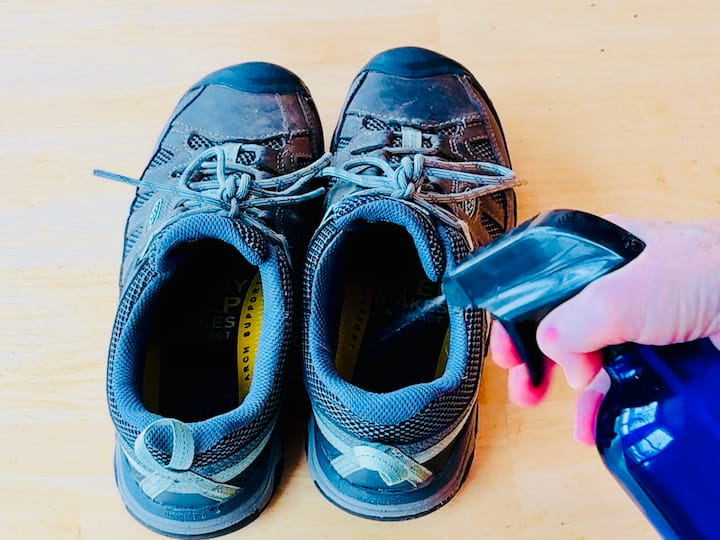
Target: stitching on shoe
[(224, 136), (312, 128), (484, 112)]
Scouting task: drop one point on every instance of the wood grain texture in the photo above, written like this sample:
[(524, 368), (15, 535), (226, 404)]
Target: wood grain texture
[(609, 106)]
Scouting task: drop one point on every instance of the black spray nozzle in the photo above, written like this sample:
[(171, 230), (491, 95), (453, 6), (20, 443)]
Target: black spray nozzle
[(520, 277)]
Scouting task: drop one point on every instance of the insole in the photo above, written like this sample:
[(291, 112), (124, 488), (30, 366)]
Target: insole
[(204, 335), (382, 280)]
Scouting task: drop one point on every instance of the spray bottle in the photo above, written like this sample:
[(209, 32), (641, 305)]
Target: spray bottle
[(658, 429)]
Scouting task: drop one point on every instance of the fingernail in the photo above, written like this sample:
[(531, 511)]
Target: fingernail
[(576, 376), (581, 368), (601, 382), (588, 406)]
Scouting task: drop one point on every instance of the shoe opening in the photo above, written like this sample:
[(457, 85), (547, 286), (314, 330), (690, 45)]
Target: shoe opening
[(204, 333), (380, 282)]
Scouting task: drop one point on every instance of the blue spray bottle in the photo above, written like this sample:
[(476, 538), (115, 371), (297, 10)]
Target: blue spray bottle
[(658, 428)]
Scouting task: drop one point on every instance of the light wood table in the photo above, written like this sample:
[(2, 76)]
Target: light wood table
[(609, 106)]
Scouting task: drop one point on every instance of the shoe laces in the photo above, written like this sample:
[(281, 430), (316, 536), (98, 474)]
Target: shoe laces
[(215, 182), (412, 180)]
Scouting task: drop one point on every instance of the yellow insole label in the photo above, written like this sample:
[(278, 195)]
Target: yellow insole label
[(443, 358), (353, 322), (249, 325)]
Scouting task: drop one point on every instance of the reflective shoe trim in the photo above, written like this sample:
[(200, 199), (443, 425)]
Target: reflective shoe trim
[(176, 476), (392, 464)]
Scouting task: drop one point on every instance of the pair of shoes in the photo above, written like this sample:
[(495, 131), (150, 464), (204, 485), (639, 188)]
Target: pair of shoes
[(236, 200)]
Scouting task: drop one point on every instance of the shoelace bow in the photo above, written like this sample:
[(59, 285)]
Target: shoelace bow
[(411, 180), (238, 189)]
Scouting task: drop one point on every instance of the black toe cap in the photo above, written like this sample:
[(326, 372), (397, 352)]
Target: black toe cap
[(413, 62), (256, 78)]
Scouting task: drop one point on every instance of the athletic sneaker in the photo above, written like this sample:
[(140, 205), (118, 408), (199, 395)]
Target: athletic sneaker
[(419, 178), (197, 360)]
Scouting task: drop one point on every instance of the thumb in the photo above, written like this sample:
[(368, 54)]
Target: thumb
[(574, 332), (669, 294), (600, 314), (594, 318)]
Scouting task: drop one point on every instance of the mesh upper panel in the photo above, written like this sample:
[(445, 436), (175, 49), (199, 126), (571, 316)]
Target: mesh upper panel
[(375, 124), (129, 299), (482, 150), (434, 418), (196, 141), (276, 143), (161, 157), (491, 226), (451, 130), (246, 157), (343, 142)]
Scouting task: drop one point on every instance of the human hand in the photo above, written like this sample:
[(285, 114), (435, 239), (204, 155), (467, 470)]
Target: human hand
[(669, 294)]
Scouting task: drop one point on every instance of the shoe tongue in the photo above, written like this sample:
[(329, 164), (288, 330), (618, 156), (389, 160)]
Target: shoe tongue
[(378, 209), (251, 244)]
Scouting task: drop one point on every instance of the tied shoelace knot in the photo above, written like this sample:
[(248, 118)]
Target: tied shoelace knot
[(415, 179), (215, 181)]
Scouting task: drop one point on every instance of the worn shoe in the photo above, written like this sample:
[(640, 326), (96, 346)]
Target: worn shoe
[(197, 360), (419, 178)]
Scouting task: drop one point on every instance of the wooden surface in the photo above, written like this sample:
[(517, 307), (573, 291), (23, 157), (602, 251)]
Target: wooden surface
[(608, 106)]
